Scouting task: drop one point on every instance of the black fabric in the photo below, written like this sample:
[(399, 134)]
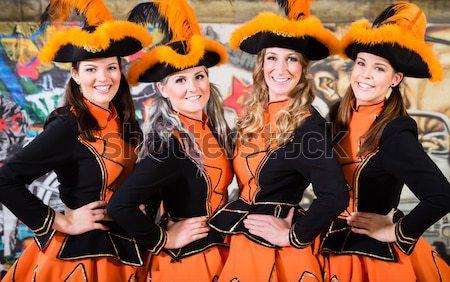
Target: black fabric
[(400, 160), (45, 153), (402, 59), (283, 179), (57, 148), (229, 220), (182, 188), (161, 70), (309, 46), (403, 157)]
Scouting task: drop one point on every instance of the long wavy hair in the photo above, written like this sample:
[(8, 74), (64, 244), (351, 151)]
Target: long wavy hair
[(251, 122), (122, 101), (342, 113), (162, 122)]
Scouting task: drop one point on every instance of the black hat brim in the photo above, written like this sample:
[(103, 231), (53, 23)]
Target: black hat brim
[(161, 70), (120, 48), (402, 60), (309, 46)]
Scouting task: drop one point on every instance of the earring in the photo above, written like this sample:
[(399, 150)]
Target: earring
[(393, 85)]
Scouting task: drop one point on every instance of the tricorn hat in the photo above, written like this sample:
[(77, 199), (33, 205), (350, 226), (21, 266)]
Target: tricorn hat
[(100, 36), (184, 46), (299, 31), (398, 35)]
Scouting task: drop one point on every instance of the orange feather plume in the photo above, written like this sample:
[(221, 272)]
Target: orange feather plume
[(181, 18), (95, 11), (295, 9), (410, 17)]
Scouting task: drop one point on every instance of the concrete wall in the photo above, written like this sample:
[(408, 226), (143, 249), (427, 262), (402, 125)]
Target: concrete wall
[(235, 11)]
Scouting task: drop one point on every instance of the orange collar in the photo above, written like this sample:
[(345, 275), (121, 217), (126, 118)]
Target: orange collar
[(274, 107), (103, 116), (368, 109), (192, 122)]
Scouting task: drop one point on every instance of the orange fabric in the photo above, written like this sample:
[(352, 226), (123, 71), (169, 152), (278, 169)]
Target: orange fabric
[(245, 159), (362, 119), (34, 265), (428, 265), (424, 264), (217, 167), (355, 268), (204, 266), (116, 157), (249, 261)]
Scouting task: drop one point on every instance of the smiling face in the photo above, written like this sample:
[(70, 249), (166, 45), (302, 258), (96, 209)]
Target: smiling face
[(282, 72), (188, 91), (371, 78), (99, 79)]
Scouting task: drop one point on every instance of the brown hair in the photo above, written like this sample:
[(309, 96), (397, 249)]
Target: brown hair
[(341, 115), (122, 101)]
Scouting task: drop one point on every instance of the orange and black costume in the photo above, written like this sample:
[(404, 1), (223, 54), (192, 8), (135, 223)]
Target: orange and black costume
[(87, 172), (273, 177), (271, 181), (375, 181), (186, 191), (375, 178), (187, 188)]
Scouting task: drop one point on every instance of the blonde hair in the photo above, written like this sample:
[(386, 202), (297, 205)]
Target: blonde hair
[(251, 122), (162, 121)]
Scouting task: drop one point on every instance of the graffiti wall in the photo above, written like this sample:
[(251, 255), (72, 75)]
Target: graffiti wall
[(29, 91)]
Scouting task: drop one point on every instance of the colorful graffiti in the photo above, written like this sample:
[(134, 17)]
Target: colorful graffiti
[(30, 90)]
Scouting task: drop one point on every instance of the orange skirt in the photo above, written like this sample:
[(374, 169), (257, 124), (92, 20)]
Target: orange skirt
[(249, 261), (424, 264), (36, 265), (204, 266)]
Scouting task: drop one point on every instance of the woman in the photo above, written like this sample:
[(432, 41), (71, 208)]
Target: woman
[(281, 148), (184, 157), (89, 143), (371, 240)]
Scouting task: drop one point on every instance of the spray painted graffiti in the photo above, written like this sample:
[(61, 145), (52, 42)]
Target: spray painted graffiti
[(30, 90)]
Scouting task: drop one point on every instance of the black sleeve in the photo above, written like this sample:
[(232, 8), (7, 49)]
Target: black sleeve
[(149, 175), (403, 157), (52, 148), (316, 163)]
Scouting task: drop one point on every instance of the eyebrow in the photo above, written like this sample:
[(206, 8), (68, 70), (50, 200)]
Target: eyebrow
[(377, 64), (199, 72), (289, 54), (179, 76), (93, 65), (381, 64)]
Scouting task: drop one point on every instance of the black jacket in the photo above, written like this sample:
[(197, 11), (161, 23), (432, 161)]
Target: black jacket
[(399, 159), (81, 176)]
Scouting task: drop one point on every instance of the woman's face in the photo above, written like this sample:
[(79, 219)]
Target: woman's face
[(188, 91), (99, 79), (371, 78), (282, 72)]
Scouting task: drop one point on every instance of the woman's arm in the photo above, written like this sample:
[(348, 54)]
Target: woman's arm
[(403, 157), (52, 148), (314, 160)]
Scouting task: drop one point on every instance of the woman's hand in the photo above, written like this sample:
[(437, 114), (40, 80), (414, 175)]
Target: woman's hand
[(272, 229), (83, 219), (186, 231), (377, 226)]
